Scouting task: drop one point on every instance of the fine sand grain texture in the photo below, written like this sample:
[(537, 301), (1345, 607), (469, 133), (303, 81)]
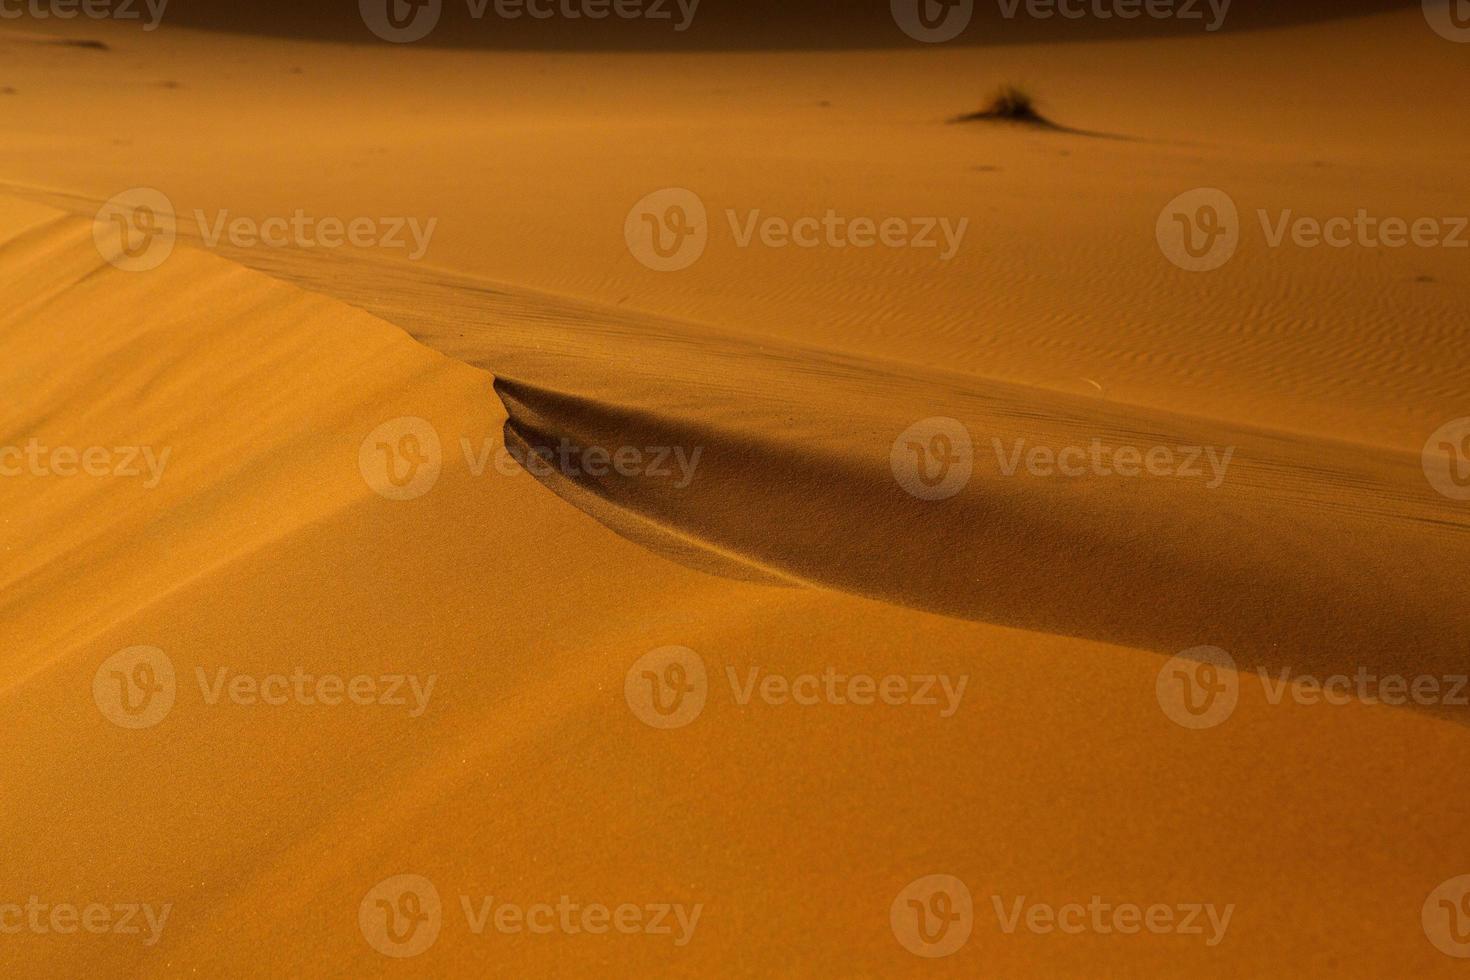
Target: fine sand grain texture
[(493, 602)]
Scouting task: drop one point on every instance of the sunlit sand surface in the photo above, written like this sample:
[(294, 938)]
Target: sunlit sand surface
[(769, 523)]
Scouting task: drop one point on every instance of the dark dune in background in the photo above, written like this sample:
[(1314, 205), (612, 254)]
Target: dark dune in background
[(729, 25)]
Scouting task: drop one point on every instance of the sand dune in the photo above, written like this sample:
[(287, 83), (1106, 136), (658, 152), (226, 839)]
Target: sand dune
[(1260, 340), (682, 25), (796, 503), (268, 541)]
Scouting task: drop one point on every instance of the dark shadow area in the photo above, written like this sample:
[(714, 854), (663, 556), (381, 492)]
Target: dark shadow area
[(1015, 106), (1373, 582), (734, 25)]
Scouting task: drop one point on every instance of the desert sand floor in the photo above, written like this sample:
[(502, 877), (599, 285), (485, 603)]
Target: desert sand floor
[(263, 549)]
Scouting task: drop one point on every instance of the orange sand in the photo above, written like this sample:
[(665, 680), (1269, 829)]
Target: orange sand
[(530, 773)]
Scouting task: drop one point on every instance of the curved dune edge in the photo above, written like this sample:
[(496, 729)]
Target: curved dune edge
[(1062, 776), (1061, 277), (1152, 562), (505, 327), (529, 778), (1310, 553), (761, 25)]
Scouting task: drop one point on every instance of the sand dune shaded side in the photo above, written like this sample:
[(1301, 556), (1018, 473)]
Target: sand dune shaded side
[(1305, 552), (528, 777), (750, 25), (1308, 551)]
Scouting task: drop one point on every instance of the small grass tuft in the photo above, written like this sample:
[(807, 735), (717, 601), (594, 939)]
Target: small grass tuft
[(1012, 102), (1009, 103)]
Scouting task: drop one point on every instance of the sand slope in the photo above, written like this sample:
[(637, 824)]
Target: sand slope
[(528, 777), (1059, 277), (263, 548)]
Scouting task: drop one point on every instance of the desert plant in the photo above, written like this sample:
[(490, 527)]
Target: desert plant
[(1011, 102)]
